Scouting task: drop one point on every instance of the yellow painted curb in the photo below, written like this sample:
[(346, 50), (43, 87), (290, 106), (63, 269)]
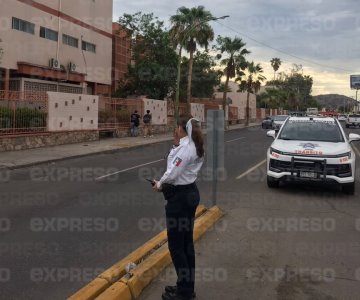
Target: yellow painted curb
[(147, 271), (154, 264), (115, 272), (203, 223), (92, 290), (118, 291)]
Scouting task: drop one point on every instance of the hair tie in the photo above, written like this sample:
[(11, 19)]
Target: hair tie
[(189, 128)]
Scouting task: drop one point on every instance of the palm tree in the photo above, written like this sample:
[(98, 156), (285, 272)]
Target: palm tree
[(221, 88), (234, 62), (275, 63), (189, 30), (251, 84)]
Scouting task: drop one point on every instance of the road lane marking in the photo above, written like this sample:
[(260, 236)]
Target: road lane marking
[(129, 169), (241, 138), (251, 169)]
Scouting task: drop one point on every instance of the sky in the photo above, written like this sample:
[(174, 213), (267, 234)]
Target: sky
[(321, 35)]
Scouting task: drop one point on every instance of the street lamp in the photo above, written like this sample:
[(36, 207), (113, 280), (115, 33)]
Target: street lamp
[(186, 32)]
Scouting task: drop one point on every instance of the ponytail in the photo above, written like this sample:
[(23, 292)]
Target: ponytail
[(198, 138), (196, 134)]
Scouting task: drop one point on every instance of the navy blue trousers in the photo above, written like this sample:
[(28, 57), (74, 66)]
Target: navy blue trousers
[(180, 216)]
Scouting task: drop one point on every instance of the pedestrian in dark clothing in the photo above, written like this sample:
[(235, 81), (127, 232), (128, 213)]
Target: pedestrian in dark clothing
[(179, 188), (135, 122), (147, 119)]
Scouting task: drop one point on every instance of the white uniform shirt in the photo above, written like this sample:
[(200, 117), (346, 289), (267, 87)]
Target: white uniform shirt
[(183, 164)]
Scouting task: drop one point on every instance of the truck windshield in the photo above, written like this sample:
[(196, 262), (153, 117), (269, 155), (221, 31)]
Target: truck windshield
[(311, 130)]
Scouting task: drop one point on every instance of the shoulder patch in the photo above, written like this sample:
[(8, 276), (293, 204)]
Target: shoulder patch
[(177, 161)]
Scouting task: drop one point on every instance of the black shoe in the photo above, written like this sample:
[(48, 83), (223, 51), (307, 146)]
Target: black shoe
[(171, 289), (175, 296)]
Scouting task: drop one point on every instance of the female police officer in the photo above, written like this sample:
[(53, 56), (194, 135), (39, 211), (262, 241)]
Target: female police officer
[(178, 186)]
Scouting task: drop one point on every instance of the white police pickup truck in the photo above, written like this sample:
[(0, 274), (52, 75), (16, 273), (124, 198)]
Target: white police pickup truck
[(312, 149), (352, 120)]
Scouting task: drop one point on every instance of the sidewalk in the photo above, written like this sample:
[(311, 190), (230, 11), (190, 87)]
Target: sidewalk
[(30, 157)]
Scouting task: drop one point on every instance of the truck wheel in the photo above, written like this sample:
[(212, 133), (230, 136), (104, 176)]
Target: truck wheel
[(272, 182), (349, 188)]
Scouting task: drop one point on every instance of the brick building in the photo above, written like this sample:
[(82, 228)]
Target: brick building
[(121, 55), (57, 45)]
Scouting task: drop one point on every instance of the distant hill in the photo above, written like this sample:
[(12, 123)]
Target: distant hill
[(334, 101)]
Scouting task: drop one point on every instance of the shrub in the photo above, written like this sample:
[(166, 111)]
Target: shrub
[(120, 116), (24, 118)]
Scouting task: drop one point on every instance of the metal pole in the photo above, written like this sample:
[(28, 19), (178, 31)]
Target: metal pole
[(215, 161), (176, 112)]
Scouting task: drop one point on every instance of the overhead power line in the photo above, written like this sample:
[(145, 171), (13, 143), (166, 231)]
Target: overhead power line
[(284, 52)]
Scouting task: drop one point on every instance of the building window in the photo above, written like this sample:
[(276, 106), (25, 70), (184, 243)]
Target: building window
[(88, 47), (71, 41), (22, 25), (49, 34)]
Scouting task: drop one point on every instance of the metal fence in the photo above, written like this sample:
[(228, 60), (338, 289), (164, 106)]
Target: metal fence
[(114, 113), (233, 113), (23, 112)]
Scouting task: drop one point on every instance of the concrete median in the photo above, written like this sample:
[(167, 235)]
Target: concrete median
[(151, 259)]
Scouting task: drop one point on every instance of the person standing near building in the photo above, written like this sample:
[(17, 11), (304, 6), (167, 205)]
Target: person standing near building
[(147, 119), (135, 122), (179, 188)]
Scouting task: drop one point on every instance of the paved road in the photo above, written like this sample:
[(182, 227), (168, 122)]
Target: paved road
[(295, 242), (61, 224)]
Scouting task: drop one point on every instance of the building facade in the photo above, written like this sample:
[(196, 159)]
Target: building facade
[(122, 55), (56, 45)]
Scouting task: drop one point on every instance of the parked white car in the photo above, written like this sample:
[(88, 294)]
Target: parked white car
[(312, 149), (342, 118)]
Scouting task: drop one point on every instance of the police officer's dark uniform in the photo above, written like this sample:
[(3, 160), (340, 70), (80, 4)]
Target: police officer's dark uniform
[(182, 195)]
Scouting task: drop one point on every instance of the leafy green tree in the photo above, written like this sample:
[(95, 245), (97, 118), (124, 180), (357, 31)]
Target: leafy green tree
[(275, 63), (189, 30), (272, 98), (204, 79), (154, 72), (297, 89), (251, 83), (234, 51), (222, 88), (341, 109)]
